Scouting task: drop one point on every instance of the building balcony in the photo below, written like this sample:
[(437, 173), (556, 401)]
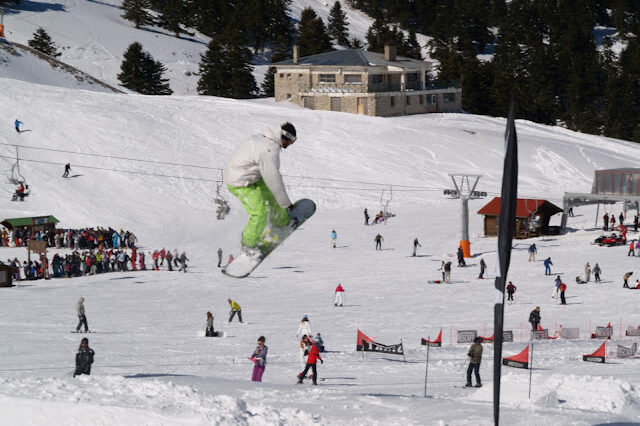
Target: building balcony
[(360, 88)]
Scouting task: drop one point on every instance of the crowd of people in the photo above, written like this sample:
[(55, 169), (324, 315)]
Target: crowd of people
[(99, 261), (77, 239)]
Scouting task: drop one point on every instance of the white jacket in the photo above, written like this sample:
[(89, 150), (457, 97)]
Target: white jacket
[(259, 157), (304, 328), (80, 306)]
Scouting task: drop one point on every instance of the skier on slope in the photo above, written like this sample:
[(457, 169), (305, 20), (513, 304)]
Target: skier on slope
[(532, 252), (17, 124), (596, 272), (475, 358), (253, 175), (510, 290), (334, 238), (183, 262), (378, 239), (339, 297), (461, 261), (416, 243), (547, 266), (219, 256), (67, 169), (259, 359), (82, 319), (534, 318), (209, 332), (304, 327), (312, 359), (483, 266)]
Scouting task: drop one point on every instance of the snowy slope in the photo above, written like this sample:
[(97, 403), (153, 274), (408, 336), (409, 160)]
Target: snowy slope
[(22, 63), (152, 362), (93, 37)]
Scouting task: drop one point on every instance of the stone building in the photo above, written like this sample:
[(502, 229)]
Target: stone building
[(363, 82)]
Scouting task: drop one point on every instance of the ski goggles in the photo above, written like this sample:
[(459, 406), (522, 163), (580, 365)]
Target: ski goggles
[(288, 136)]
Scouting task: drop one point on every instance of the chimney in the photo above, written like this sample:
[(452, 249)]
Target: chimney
[(296, 53), (389, 52)]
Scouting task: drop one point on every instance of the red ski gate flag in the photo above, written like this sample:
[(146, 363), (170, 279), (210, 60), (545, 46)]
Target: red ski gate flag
[(597, 356), (518, 361)]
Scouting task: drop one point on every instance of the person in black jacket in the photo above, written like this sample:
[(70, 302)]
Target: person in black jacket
[(534, 318), (84, 358)]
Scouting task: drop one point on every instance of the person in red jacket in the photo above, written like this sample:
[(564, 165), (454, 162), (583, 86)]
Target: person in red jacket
[(312, 359), (163, 255), (563, 288), (632, 251), (339, 299), (134, 257)]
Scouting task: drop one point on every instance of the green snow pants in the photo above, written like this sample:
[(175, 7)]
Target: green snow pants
[(264, 213)]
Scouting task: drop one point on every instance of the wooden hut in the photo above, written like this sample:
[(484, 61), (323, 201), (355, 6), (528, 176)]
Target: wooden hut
[(36, 223), (532, 217), (6, 274)]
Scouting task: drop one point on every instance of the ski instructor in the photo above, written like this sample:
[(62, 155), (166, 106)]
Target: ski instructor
[(253, 175)]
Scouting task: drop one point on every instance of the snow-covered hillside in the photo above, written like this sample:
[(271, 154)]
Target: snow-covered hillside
[(22, 63), (93, 36), (153, 365)]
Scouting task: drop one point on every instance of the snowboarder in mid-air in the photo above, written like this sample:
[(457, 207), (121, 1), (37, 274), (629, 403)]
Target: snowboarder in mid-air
[(253, 175)]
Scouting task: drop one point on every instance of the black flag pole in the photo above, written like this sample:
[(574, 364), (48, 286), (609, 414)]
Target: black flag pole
[(506, 227)]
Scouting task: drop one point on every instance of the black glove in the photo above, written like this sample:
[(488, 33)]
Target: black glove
[(321, 362)]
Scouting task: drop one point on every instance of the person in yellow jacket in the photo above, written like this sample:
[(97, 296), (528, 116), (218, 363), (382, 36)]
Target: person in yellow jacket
[(235, 308)]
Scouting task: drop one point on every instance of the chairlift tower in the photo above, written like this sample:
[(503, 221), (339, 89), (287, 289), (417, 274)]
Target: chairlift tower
[(465, 190)]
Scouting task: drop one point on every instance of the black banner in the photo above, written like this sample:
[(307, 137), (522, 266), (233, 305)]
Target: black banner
[(516, 364), (602, 333), (425, 342), (540, 334), (506, 226), (591, 358), (632, 331), (378, 347), (467, 336)]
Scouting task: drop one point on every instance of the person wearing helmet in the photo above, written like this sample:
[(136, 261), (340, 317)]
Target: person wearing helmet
[(253, 176)]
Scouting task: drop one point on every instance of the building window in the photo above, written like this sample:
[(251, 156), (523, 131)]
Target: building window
[(353, 79), (412, 77), (299, 75), (421, 99), (281, 75), (288, 75), (376, 79), (288, 95), (408, 100), (431, 99), (327, 78), (392, 101), (448, 98)]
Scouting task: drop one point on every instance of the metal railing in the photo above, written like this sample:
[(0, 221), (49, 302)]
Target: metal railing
[(362, 88)]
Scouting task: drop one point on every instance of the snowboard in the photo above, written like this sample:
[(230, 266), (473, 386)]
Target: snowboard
[(244, 264)]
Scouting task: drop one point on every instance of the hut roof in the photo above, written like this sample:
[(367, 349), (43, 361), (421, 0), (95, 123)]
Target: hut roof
[(524, 207), (28, 221)]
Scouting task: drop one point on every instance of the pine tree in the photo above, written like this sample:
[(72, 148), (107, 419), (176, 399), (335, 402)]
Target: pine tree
[(355, 43), (140, 73), (135, 11), (377, 35), (337, 26), (413, 49), (225, 70), (312, 34), (174, 14), (279, 54), (42, 42)]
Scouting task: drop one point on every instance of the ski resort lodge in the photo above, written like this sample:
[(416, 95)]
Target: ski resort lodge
[(363, 82), (532, 217)]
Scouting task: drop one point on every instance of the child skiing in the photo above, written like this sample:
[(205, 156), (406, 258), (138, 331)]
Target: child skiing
[(312, 359), (253, 175)]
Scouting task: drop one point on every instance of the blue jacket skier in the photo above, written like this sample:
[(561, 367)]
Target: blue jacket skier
[(17, 124), (547, 266)]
